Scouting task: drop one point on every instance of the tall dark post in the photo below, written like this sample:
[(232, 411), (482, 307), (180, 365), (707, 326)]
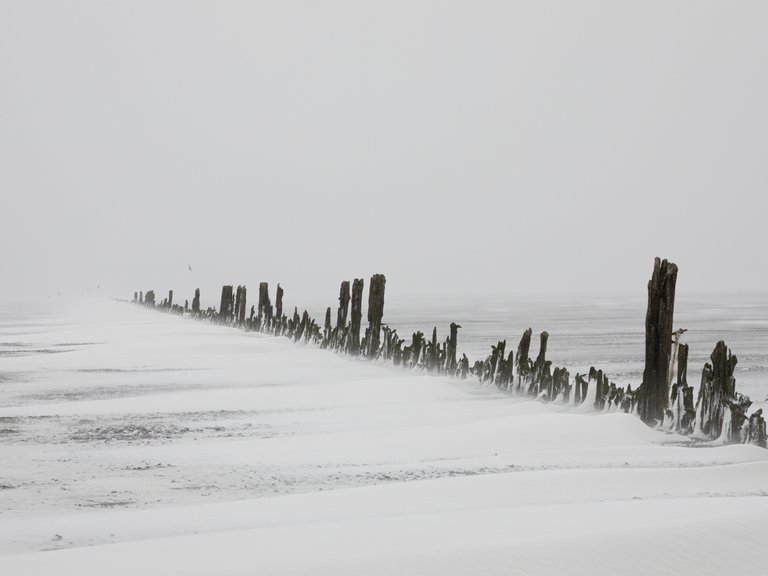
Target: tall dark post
[(265, 305), (327, 327), (523, 361), (196, 302), (682, 365), (225, 310), (135, 296), (279, 302), (658, 342), (341, 317), (170, 298), (540, 364), (452, 339), (375, 313), (238, 293), (357, 315), (241, 305)]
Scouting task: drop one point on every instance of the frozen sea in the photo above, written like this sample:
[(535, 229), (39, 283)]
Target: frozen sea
[(135, 442)]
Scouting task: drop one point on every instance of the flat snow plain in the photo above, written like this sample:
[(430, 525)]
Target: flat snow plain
[(134, 442)]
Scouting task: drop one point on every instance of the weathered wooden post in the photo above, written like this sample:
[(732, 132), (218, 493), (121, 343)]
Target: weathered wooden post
[(522, 360), (265, 307), (196, 302), (539, 365), (327, 327), (432, 351), (170, 299), (601, 387), (341, 317), (654, 391), (236, 309), (225, 309), (375, 313), (242, 305), (357, 314), (279, 327), (452, 341)]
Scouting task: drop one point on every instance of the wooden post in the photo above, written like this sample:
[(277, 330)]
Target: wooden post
[(279, 302), (225, 309), (523, 361), (341, 317), (196, 302), (327, 328), (539, 365), (654, 391), (375, 313), (242, 305), (236, 309), (279, 324), (265, 306), (452, 340), (357, 314)]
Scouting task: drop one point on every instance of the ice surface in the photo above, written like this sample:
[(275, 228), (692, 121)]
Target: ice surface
[(141, 443)]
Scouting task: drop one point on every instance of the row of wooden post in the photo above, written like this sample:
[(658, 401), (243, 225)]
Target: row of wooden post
[(720, 412)]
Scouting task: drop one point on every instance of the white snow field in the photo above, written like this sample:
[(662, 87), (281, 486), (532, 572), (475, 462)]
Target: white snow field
[(137, 443)]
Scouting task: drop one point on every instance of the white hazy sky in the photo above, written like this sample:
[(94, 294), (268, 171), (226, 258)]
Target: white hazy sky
[(457, 147)]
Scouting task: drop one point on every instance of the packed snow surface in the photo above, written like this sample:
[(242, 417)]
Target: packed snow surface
[(135, 442)]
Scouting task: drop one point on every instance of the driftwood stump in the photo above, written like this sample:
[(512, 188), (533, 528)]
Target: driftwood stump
[(756, 431), (720, 410)]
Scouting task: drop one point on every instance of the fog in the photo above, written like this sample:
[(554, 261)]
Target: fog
[(457, 147)]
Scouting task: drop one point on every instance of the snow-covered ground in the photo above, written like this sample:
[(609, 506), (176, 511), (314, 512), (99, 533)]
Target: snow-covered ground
[(134, 442)]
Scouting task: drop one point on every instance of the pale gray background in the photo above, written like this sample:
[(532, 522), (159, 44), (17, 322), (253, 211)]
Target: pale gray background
[(458, 147)]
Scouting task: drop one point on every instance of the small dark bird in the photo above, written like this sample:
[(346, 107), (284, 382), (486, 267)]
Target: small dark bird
[(190, 267)]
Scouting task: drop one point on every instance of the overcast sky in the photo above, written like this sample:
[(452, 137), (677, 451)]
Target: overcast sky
[(457, 147)]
